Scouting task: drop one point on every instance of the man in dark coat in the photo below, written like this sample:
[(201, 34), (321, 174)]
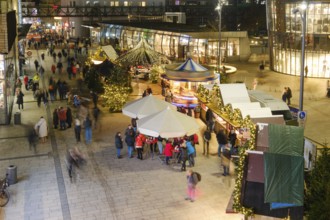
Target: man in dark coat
[(222, 141)]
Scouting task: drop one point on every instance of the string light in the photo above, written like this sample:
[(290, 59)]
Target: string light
[(115, 97), (235, 118)]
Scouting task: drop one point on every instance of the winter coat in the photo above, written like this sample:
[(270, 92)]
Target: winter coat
[(129, 140), (55, 118), (118, 142), (41, 128), (68, 116), (140, 140), (168, 150), (20, 98), (190, 148), (221, 138), (62, 114)]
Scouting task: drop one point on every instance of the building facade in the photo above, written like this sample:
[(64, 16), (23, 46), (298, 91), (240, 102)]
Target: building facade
[(285, 30), (8, 58), (201, 46)]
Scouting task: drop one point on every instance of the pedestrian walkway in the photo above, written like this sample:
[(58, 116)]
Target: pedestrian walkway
[(107, 187)]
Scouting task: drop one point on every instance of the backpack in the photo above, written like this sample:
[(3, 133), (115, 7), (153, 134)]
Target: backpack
[(199, 176)]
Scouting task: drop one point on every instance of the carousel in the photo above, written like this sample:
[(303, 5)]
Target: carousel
[(183, 80)]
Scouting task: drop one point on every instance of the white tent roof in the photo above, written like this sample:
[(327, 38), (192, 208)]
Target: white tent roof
[(242, 106), (234, 93), (110, 52), (145, 106), (167, 123), (257, 113)]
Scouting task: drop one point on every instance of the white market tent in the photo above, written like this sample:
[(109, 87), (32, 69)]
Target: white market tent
[(234, 93), (251, 105), (238, 96), (257, 113)]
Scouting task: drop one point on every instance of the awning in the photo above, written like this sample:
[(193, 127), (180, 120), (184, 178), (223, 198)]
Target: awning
[(110, 52)]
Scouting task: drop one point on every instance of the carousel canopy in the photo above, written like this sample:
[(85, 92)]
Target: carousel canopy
[(142, 54), (189, 71)]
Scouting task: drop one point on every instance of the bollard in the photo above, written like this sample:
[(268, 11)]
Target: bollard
[(12, 174)]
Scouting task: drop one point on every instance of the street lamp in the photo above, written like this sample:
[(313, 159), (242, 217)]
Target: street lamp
[(301, 10), (219, 9)]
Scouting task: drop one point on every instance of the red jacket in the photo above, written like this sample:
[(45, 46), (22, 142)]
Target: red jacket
[(139, 141), (168, 150), (62, 114)]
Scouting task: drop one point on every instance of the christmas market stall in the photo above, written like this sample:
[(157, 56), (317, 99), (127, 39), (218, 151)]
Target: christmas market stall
[(183, 81), (270, 160)]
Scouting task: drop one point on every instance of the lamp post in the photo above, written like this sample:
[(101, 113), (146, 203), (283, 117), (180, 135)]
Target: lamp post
[(301, 10), (219, 9)]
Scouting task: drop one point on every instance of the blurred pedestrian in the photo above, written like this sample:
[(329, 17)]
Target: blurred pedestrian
[(36, 64), (32, 138), (119, 144), (69, 117), (192, 181), (284, 94), (19, 100), (55, 118), (77, 128), (289, 95), (88, 130), (206, 144), (41, 129)]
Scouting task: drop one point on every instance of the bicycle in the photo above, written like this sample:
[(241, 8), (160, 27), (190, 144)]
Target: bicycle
[(4, 193)]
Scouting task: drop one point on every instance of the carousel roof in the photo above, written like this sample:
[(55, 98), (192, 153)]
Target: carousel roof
[(189, 71)]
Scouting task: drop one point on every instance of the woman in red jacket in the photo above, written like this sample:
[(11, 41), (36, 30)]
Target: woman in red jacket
[(168, 151), (139, 142)]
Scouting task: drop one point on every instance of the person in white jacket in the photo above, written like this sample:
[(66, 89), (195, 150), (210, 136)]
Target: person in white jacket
[(41, 129)]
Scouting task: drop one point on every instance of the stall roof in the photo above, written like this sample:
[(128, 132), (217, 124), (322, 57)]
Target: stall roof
[(251, 105), (234, 93), (257, 113), (110, 51)]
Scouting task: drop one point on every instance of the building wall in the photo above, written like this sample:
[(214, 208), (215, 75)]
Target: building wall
[(177, 46), (285, 33)]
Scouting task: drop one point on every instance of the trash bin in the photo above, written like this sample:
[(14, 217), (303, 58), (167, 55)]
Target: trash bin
[(12, 174), (17, 118)]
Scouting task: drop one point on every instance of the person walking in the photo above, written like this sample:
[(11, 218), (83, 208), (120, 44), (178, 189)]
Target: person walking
[(232, 140), (88, 130), (160, 145), (190, 152), (139, 142), (184, 157), (62, 118), (36, 64), (168, 151), (69, 117), (192, 181), (119, 144), (41, 129), (55, 118), (129, 139), (19, 100), (206, 144), (26, 82), (77, 128), (284, 94), (288, 95), (222, 141)]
